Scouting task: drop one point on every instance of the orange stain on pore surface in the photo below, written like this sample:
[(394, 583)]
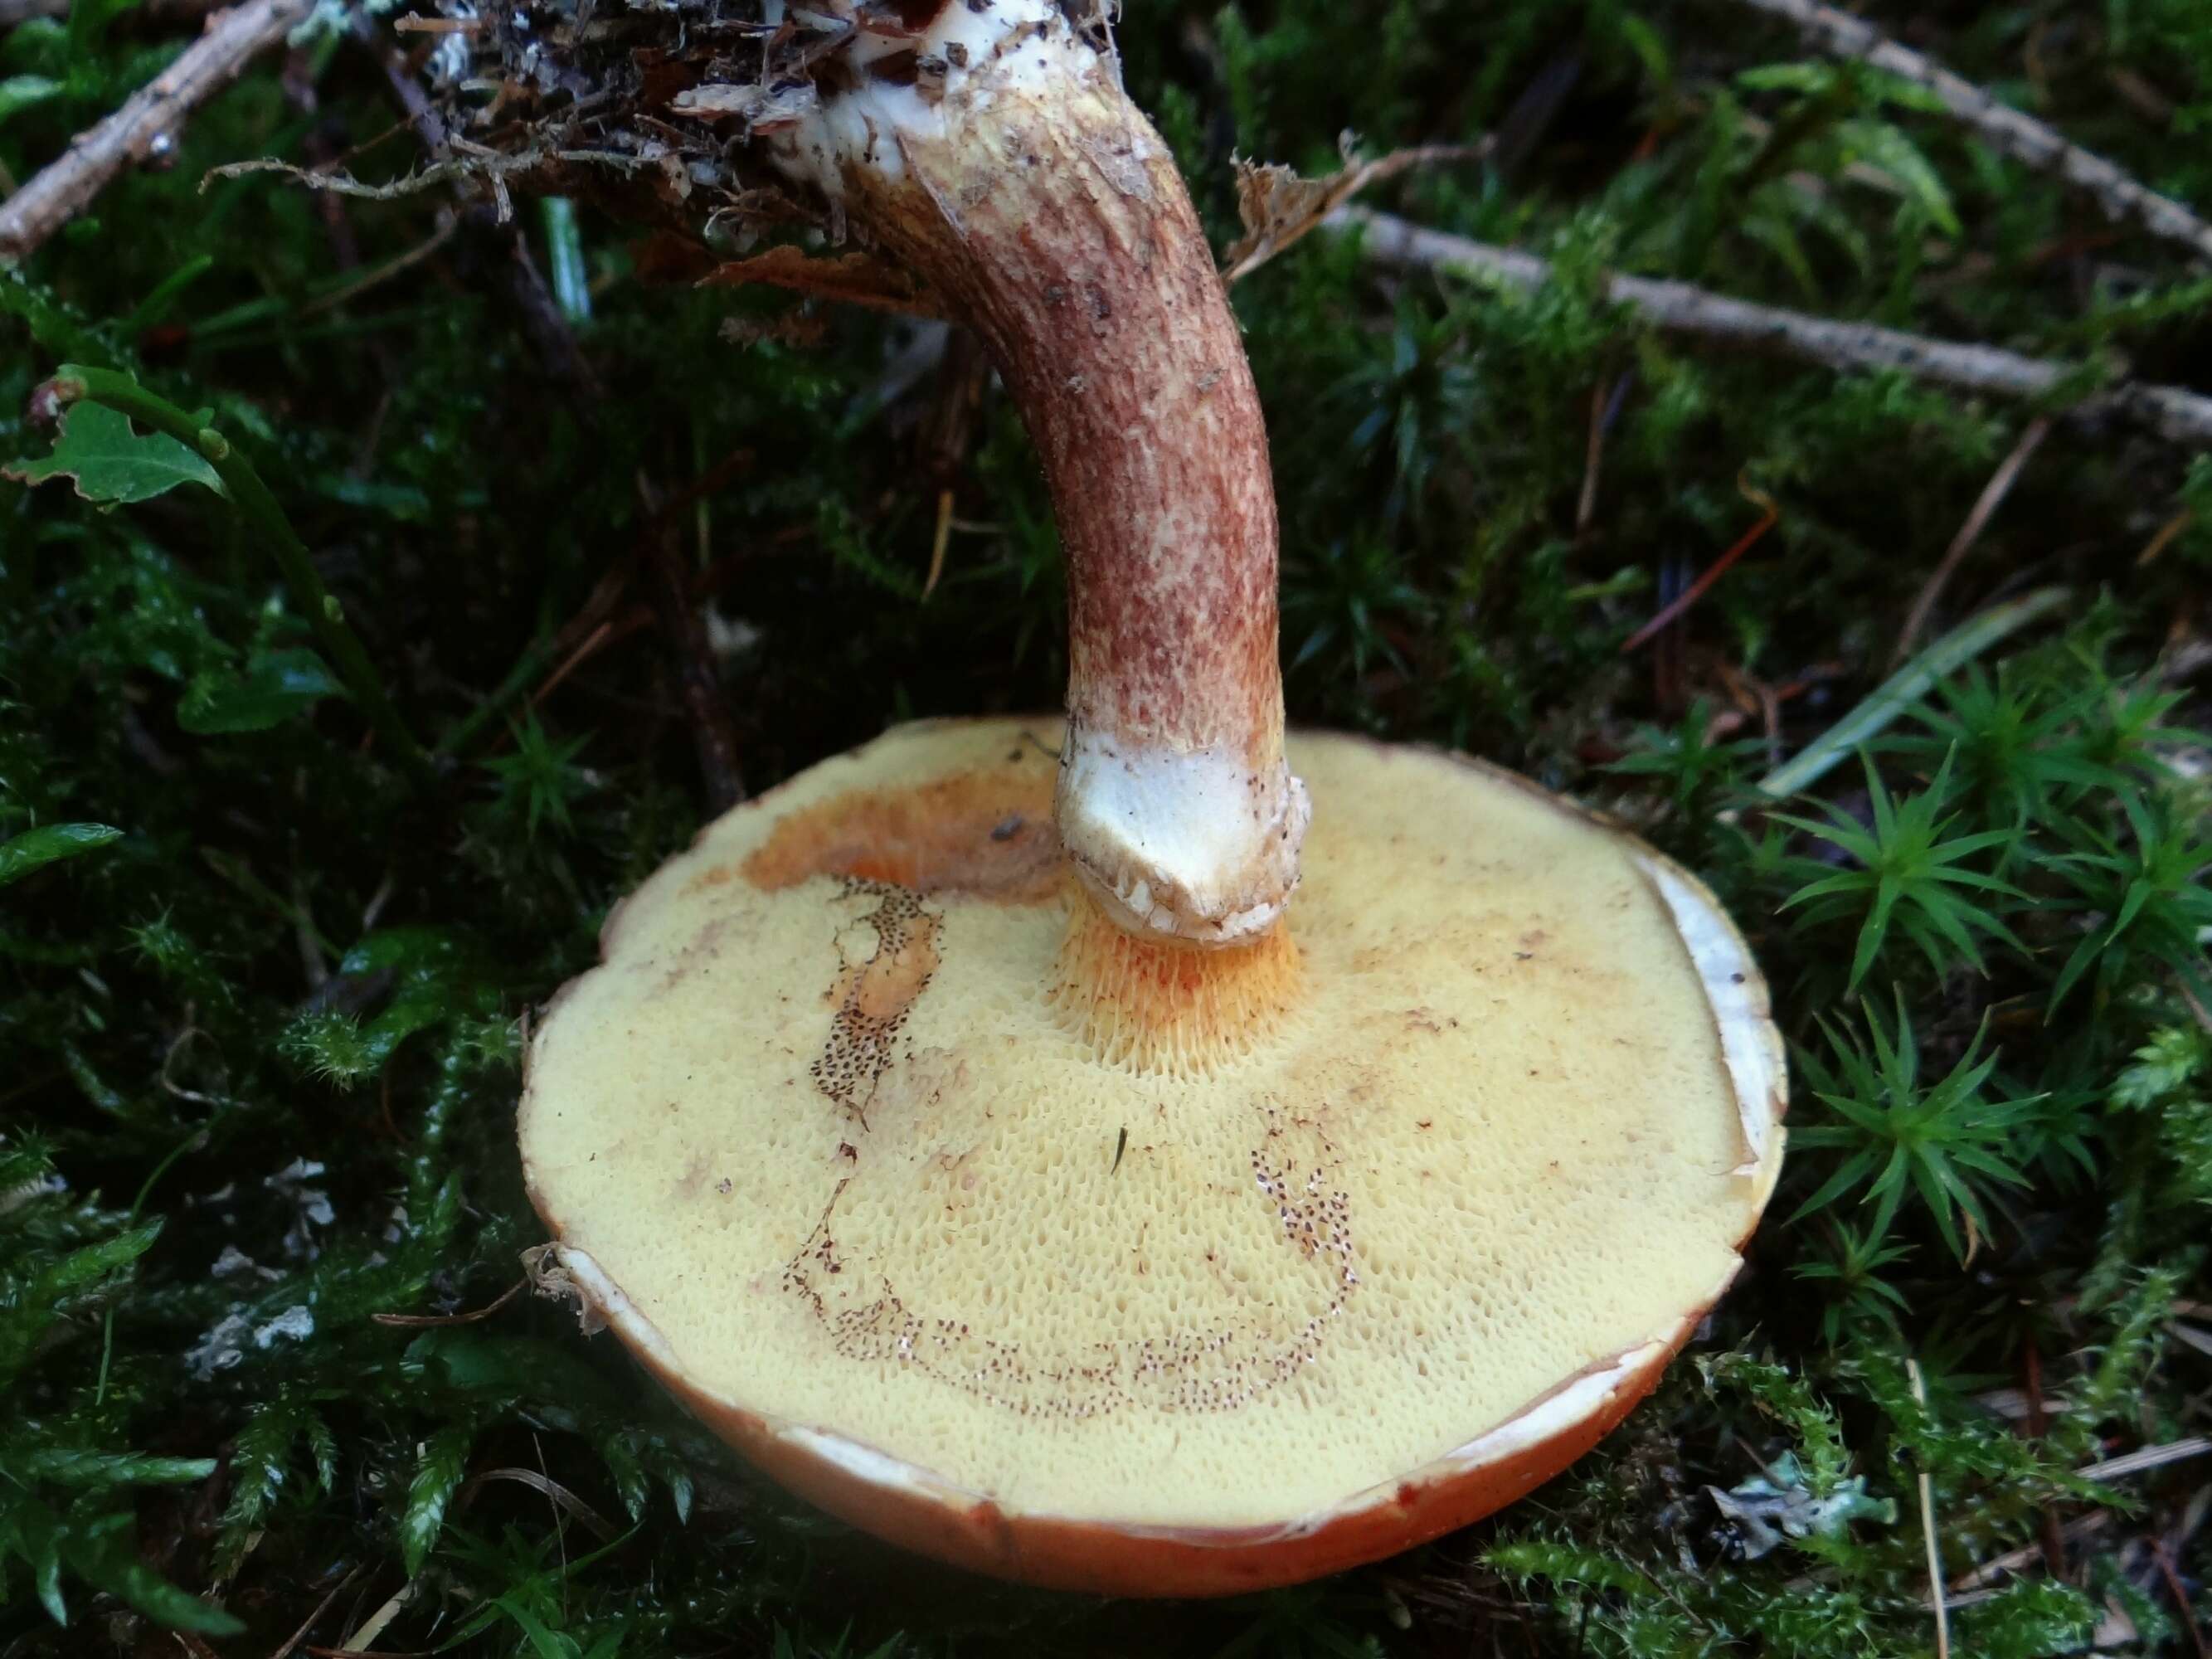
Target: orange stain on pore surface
[(1161, 1006), (985, 834), (1156, 1005)]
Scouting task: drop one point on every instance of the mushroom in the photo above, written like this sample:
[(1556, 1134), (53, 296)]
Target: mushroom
[(975, 1133)]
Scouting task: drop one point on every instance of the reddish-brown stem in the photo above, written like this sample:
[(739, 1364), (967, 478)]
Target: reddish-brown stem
[(1035, 199)]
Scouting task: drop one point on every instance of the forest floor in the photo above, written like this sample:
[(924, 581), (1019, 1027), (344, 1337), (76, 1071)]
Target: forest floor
[(1914, 672)]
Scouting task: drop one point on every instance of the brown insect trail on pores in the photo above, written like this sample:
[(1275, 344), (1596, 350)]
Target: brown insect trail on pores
[(875, 998), (1219, 1367)]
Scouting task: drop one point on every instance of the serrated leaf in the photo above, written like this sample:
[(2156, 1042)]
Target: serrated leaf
[(21, 854), (259, 1466), (111, 463), (631, 1482), (439, 1469), (2163, 1067), (97, 1260), (274, 686), (322, 1447), (63, 1466), (676, 1475)]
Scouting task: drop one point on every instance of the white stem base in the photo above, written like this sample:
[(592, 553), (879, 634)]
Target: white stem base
[(1195, 846)]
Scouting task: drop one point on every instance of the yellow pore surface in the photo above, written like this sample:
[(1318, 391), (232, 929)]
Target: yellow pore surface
[(861, 1148)]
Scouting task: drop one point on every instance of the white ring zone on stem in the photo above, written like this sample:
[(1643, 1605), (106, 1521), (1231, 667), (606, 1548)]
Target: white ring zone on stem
[(967, 56), (1194, 845)]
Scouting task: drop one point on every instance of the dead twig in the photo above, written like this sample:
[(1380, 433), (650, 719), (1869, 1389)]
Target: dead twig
[(373, 1627), (291, 1644), (442, 232), (1605, 410), (1280, 208), (1696, 590), (1986, 506), (712, 733), (2179, 416), (558, 1495), (947, 429), (2150, 1457), (2028, 1555), (424, 1322), (2021, 137), (1927, 1531), (2158, 544), (2174, 1587), (2038, 1424), (148, 120)]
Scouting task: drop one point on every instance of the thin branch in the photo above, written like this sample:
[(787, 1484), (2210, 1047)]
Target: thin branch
[(698, 678), (558, 1495), (151, 115), (474, 1316), (2020, 137), (2150, 1457), (1280, 208), (1986, 506), (1769, 516), (1605, 408), (2180, 1592), (441, 232), (2158, 544), (374, 1625), (321, 1607), (1928, 1530), (2180, 416)]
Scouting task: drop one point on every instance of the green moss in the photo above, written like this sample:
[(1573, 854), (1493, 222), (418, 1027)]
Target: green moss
[(261, 992)]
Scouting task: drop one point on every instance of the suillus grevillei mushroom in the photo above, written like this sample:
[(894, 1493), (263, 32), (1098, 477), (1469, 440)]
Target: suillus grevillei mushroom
[(1141, 1151)]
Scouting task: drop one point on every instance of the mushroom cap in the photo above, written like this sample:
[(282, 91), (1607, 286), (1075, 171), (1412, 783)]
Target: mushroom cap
[(1137, 1273)]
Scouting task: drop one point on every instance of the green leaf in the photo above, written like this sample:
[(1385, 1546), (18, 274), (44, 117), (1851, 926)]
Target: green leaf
[(63, 1466), (53, 324), (112, 463), (104, 1552), (1897, 694), (97, 1260), (21, 854), (1889, 147), (439, 1468), (29, 1531), (260, 1465), (631, 1483), (2163, 1067), (544, 1641), (21, 92), (274, 687)]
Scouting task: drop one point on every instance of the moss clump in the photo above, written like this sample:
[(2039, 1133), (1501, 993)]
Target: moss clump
[(259, 1007)]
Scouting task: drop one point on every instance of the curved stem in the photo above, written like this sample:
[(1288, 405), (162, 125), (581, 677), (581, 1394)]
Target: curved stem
[(1017, 178)]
